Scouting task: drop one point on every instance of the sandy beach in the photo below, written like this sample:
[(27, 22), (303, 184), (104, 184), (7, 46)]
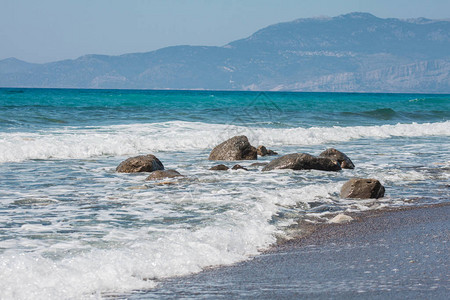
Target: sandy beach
[(396, 254)]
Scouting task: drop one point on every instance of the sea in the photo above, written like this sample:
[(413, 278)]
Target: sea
[(71, 227)]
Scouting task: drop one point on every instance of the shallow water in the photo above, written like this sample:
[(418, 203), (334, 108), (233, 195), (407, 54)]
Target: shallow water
[(71, 227)]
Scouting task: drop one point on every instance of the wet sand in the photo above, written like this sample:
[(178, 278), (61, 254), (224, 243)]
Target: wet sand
[(401, 254)]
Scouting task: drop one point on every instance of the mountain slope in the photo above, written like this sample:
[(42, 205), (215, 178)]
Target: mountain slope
[(353, 52)]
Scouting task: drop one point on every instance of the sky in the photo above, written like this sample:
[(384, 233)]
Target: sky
[(50, 30)]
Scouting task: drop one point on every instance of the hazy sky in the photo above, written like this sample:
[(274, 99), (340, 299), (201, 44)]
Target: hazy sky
[(49, 30)]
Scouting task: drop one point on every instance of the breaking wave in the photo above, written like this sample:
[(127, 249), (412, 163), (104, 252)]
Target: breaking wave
[(120, 140)]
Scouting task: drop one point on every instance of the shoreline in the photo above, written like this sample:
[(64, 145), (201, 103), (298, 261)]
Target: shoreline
[(389, 253), (323, 232)]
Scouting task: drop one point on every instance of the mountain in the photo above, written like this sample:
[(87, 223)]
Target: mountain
[(356, 52)]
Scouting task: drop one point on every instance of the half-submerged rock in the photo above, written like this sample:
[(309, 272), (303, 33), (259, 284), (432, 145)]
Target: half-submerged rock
[(361, 188), (339, 157), (263, 151), (302, 161), (271, 152), (219, 168), (161, 174), (236, 148), (239, 167), (141, 163)]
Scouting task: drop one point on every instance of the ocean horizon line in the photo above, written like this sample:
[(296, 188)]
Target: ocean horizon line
[(221, 90)]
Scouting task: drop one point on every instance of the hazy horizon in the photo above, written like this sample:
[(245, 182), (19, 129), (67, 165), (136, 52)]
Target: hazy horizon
[(49, 30)]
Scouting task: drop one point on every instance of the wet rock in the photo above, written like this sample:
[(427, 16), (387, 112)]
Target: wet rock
[(239, 167), (161, 174), (339, 157), (219, 168), (165, 183), (263, 151), (361, 188), (236, 148), (141, 163), (302, 161)]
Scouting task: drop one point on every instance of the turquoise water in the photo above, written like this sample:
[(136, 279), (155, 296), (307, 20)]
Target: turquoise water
[(71, 227), (40, 108)]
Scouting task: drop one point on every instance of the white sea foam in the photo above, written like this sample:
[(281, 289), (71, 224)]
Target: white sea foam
[(125, 269), (133, 265), (120, 140), (130, 258), (82, 248)]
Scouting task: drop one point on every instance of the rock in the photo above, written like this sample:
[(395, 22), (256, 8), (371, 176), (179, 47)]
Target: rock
[(238, 167), (165, 183), (338, 156), (161, 174), (236, 148), (360, 188), (219, 168), (259, 164), (271, 152), (341, 218), (302, 161), (141, 163), (262, 151)]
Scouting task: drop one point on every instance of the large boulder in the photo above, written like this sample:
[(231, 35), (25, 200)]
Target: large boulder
[(361, 188), (161, 174), (141, 163), (339, 157), (236, 148), (302, 161)]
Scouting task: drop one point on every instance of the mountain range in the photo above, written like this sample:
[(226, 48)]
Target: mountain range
[(355, 52)]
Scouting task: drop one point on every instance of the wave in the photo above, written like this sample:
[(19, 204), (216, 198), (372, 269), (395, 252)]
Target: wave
[(136, 257), (129, 259), (120, 140), (379, 114), (132, 267), (13, 91), (431, 100)]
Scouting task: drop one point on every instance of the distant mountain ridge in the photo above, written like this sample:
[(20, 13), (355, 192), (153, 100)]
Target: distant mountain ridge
[(356, 52)]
